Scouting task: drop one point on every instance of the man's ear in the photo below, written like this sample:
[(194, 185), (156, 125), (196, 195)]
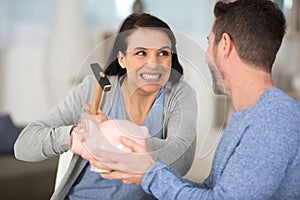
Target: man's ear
[(121, 59), (226, 44)]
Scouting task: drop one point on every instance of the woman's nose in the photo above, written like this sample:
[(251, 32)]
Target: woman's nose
[(152, 58)]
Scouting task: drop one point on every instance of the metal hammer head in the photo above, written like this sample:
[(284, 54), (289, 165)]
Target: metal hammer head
[(101, 77)]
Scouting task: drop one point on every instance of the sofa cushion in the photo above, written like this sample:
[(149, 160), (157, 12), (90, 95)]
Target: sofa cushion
[(8, 134)]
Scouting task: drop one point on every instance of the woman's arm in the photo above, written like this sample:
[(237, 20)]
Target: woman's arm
[(178, 148), (50, 136)]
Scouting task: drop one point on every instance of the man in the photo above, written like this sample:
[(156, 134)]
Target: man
[(258, 156)]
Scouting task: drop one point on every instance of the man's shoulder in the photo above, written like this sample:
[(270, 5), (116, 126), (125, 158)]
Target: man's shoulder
[(276, 102), (276, 112)]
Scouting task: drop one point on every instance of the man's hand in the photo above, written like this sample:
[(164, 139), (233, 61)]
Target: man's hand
[(127, 178), (129, 167)]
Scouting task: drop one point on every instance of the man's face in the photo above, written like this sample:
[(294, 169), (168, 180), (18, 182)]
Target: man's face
[(211, 60)]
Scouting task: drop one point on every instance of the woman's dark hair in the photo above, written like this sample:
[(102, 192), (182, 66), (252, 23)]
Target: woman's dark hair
[(131, 23), (256, 27)]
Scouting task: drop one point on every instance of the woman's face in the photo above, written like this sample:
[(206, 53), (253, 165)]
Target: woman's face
[(147, 60)]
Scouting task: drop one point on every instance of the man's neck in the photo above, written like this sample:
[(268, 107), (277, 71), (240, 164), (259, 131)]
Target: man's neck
[(246, 89)]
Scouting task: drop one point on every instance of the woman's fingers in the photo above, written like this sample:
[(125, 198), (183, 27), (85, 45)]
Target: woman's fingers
[(86, 106), (101, 117)]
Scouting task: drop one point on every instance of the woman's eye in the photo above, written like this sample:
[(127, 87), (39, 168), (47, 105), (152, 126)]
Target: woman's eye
[(164, 53), (140, 53)]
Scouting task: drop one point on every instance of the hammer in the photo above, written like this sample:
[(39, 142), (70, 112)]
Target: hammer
[(103, 84)]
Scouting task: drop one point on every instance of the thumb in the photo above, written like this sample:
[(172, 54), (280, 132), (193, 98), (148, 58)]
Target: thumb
[(86, 106), (135, 147)]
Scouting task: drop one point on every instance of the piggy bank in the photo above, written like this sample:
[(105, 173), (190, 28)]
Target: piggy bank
[(105, 136)]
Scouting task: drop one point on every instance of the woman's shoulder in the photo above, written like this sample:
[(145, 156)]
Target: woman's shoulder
[(181, 86), (181, 92), (88, 80)]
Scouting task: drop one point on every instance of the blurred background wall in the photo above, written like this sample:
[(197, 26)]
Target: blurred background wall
[(44, 46), (39, 38)]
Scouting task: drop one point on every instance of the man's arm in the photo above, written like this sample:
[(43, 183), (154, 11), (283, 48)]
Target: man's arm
[(253, 170)]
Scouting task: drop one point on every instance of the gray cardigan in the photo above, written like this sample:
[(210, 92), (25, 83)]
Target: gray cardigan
[(50, 136)]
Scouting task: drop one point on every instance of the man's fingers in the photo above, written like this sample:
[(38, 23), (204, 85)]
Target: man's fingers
[(135, 147), (127, 178), (112, 175), (99, 165)]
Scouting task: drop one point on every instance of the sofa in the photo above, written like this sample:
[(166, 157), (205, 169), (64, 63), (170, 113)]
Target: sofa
[(26, 181), (22, 180)]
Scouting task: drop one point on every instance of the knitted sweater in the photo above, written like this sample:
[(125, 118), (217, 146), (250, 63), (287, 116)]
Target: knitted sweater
[(258, 157)]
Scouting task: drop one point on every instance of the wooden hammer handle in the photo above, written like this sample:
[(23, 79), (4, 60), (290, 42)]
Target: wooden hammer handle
[(96, 99)]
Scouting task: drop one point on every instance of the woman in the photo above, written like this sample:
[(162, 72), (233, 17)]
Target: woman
[(145, 73)]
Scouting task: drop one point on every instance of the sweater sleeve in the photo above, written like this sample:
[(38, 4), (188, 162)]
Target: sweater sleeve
[(164, 183), (50, 136), (254, 170), (178, 147)]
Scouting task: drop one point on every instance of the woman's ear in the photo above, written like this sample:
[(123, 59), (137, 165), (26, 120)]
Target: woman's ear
[(121, 59)]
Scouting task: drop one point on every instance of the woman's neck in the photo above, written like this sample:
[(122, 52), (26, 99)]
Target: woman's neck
[(137, 102)]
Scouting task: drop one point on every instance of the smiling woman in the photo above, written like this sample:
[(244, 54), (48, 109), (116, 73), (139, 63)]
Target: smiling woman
[(147, 89), (148, 64)]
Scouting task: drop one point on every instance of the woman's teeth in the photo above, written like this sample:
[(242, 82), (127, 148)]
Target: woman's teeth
[(150, 76)]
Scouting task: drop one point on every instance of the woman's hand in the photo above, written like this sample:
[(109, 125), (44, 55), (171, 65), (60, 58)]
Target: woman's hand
[(100, 117), (80, 133), (81, 127)]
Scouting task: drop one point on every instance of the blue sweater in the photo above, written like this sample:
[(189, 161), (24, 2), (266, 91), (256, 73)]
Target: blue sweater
[(258, 157)]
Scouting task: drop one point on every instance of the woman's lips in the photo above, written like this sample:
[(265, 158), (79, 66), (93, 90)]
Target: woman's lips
[(151, 77)]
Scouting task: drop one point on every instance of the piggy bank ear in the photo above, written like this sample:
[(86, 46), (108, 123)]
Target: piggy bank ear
[(145, 131)]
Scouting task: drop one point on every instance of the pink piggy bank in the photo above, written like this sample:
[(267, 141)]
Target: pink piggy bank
[(106, 137)]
